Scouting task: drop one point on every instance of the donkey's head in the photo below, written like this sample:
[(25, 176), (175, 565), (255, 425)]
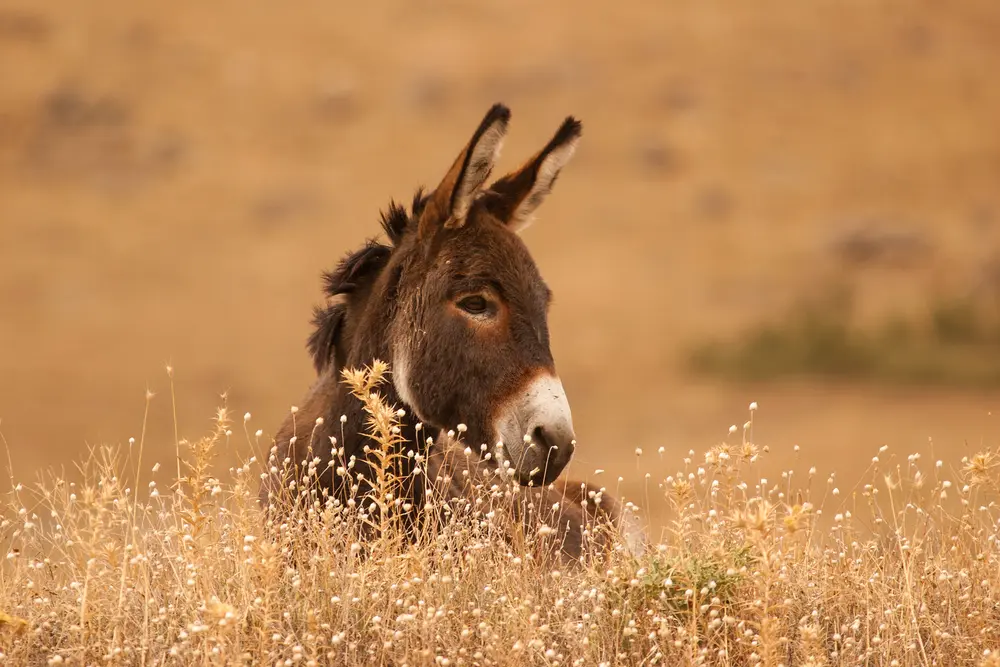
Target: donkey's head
[(462, 311), (470, 342)]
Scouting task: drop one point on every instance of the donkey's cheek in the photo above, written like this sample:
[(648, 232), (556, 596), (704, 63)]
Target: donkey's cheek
[(401, 381)]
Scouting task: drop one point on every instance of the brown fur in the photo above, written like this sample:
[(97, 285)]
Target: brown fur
[(581, 516), (415, 304)]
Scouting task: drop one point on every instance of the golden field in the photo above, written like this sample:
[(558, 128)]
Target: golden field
[(174, 178), (101, 573)]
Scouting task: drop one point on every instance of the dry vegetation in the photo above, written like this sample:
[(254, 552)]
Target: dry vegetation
[(115, 570)]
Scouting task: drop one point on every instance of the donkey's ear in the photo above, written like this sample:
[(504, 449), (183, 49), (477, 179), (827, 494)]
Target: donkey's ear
[(450, 202), (516, 196)]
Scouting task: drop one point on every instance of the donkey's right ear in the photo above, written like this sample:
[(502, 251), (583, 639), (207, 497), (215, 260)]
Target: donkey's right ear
[(518, 194), (449, 205)]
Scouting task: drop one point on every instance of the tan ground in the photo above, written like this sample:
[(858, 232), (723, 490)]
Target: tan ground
[(174, 177)]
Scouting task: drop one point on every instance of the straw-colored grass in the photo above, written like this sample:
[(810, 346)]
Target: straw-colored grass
[(116, 570)]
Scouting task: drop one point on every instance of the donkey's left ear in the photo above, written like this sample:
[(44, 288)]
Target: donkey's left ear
[(514, 198), (450, 202)]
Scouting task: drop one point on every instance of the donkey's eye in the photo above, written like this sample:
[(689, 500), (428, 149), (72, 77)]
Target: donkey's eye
[(474, 305)]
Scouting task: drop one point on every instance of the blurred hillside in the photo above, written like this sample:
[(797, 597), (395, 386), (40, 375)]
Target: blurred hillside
[(174, 178)]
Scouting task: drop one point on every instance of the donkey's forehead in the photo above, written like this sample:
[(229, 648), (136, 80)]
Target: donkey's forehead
[(489, 251)]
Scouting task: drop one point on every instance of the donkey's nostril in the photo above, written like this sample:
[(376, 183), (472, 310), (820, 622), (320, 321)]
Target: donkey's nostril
[(538, 437), (552, 444)]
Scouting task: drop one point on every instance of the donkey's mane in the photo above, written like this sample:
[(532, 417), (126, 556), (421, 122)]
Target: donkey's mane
[(395, 220), (356, 269)]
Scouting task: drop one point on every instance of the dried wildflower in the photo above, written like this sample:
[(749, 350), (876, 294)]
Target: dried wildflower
[(12, 623), (748, 451), (797, 518), (681, 490), (983, 468), (756, 516)]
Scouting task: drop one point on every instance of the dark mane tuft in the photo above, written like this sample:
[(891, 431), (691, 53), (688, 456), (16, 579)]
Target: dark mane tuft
[(357, 267), (327, 324), (395, 220), (420, 200)]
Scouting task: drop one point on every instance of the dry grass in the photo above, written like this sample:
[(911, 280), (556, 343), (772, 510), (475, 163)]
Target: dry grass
[(906, 570)]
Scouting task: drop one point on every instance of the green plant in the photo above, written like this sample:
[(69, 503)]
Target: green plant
[(953, 346)]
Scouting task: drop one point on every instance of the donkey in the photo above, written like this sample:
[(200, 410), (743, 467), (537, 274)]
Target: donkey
[(583, 520), (457, 306)]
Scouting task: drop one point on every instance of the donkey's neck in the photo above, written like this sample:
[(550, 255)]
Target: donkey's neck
[(367, 339)]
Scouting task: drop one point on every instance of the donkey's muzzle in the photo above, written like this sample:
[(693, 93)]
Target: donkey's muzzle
[(557, 442), (537, 431)]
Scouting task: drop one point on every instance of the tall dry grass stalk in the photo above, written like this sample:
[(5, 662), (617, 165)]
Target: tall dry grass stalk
[(99, 573)]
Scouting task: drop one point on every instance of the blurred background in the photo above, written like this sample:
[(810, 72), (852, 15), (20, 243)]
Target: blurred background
[(791, 203)]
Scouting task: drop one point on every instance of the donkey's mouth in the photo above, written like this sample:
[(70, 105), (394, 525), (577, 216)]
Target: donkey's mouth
[(556, 458), (541, 463)]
